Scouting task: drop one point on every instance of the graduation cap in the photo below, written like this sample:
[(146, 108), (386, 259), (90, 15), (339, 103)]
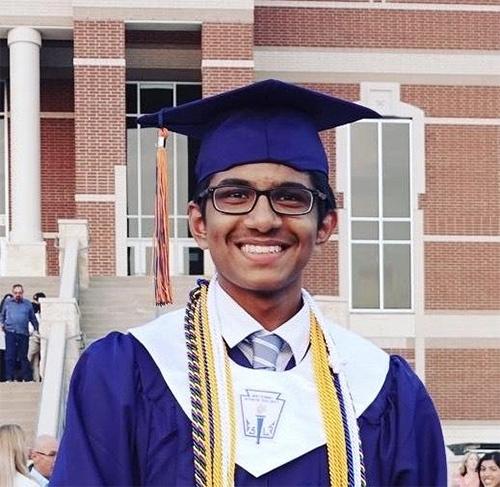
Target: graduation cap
[(268, 121)]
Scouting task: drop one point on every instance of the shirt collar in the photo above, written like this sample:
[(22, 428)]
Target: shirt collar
[(236, 324)]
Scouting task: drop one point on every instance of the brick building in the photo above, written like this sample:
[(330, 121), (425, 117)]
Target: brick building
[(415, 265)]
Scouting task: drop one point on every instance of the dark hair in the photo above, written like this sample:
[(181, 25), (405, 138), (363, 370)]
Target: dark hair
[(39, 295), (2, 303), (494, 455), (319, 181), (18, 285)]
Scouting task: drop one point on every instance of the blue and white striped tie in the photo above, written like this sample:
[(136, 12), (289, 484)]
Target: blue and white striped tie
[(266, 348)]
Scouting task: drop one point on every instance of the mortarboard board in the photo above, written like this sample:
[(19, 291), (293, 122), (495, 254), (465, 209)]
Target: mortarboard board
[(266, 121)]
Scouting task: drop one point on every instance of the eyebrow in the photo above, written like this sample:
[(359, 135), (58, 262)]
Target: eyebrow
[(244, 182)]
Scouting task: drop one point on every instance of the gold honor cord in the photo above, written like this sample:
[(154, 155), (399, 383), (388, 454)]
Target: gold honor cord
[(330, 408), (205, 402)]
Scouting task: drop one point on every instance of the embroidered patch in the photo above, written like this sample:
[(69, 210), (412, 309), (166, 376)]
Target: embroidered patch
[(261, 411)]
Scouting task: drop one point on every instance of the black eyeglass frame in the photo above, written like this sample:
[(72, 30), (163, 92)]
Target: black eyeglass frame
[(315, 194)]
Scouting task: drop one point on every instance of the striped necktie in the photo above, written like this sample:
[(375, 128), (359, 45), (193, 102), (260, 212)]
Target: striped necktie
[(266, 348)]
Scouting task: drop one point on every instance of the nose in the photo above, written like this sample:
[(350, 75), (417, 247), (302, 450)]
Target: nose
[(262, 217)]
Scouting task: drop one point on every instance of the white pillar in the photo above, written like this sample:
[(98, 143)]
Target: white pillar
[(26, 249)]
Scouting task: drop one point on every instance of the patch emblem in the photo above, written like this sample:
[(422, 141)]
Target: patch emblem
[(261, 411)]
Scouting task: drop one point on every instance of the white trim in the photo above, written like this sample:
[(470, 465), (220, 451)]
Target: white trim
[(120, 62), (461, 121), (50, 235), (121, 220), (228, 63), (57, 114), (463, 238), (396, 62), (377, 6), (95, 198)]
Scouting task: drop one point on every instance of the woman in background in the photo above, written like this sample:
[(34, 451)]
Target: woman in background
[(489, 469), (467, 474), (13, 458)]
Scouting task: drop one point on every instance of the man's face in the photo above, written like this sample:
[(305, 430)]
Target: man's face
[(260, 251), (43, 460), (17, 292)]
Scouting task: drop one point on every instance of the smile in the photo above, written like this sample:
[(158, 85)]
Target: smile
[(261, 249)]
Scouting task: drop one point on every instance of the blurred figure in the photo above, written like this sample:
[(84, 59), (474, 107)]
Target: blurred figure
[(43, 455), (467, 472), (13, 458), (34, 341), (2, 341), (489, 469)]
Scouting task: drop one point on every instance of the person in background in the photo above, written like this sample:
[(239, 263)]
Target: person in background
[(16, 315), (2, 341), (43, 455), (467, 471), (13, 459), (34, 341), (489, 469)]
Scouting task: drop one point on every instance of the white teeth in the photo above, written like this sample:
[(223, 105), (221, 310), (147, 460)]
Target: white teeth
[(261, 249)]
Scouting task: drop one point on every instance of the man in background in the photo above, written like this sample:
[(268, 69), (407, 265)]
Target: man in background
[(43, 455), (15, 317)]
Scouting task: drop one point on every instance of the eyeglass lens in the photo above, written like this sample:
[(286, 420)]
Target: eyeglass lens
[(242, 199)]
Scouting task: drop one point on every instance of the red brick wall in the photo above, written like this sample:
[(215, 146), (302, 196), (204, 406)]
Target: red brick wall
[(453, 101), (100, 132), (462, 180), (52, 257), (226, 42), (462, 276), (321, 275), (58, 171), (57, 95), (377, 28), (464, 383), (101, 218), (57, 161), (98, 39)]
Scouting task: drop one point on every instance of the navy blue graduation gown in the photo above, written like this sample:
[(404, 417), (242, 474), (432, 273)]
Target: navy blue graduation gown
[(124, 427)]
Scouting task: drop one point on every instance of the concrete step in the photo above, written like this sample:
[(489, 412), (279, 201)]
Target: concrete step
[(120, 303), (19, 404)]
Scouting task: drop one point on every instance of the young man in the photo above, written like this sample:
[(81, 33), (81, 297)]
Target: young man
[(16, 315), (250, 385)]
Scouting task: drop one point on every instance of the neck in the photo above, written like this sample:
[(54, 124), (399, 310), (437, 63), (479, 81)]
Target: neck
[(271, 310)]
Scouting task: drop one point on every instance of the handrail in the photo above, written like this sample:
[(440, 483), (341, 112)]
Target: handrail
[(68, 287), (60, 328)]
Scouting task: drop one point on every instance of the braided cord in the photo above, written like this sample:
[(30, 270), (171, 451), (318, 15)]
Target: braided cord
[(210, 469), (205, 411), (196, 391), (330, 409), (211, 391)]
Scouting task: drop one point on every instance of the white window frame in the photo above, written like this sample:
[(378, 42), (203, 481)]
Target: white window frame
[(380, 219), (142, 242)]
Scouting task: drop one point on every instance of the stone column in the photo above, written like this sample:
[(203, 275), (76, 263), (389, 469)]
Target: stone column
[(26, 253)]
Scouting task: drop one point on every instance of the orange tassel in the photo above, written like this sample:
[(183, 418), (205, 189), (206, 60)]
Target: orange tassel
[(163, 291)]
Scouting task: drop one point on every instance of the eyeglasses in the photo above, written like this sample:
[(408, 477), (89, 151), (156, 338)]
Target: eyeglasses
[(284, 200), (50, 454)]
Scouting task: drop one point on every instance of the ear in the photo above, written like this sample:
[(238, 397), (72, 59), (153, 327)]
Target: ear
[(326, 228), (197, 225)]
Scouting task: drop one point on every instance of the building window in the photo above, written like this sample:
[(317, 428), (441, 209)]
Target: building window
[(142, 98), (380, 215)]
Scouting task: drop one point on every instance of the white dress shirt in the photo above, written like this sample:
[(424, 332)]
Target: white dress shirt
[(237, 325)]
